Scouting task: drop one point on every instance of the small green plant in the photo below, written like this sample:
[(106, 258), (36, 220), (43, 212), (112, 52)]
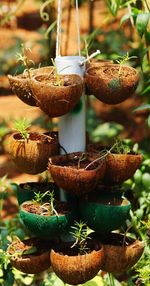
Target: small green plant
[(22, 57), (121, 147), (81, 234), (47, 208), (38, 197), (59, 82), (22, 125), (122, 60)]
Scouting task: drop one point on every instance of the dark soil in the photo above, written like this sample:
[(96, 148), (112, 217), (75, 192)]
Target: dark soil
[(67, 249), (36, 208), (45, 139), (111, 72), (25, 245)]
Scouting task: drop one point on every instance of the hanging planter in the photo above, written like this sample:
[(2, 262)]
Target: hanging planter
[(21, 84), (31, 155), (112, 83), (75, 172), (120, 252), (119, 167), (30, 256), (43, 221), (26, 191), (57, 95), (104, 212), (78, 262)]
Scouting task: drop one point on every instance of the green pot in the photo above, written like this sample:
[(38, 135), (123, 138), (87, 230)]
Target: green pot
[(103, 216), (25, 192), (46, 226)]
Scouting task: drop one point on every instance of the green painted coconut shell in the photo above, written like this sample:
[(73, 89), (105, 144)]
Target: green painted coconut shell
[(46, 226), (102, 215)]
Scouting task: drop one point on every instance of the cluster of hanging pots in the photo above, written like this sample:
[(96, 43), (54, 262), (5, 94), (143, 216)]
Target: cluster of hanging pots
[(91, 182)]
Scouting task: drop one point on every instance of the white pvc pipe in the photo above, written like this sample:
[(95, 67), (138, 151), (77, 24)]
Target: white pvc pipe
[(72, 129)]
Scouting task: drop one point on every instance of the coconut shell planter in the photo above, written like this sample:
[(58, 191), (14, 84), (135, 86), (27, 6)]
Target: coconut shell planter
[(30, 256), (104, 213), (74, 268), (26, 191), (31, 155), (111, 83), (41, 222), (77, 173), (120, 252), (21, 84), (57, 95), (119, 167)]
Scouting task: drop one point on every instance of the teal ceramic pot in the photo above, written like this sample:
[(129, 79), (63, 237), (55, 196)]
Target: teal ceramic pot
[(25, 192), (104, 213), (46, 226)]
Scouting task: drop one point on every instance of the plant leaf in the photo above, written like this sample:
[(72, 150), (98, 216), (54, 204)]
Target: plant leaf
[(142, 22), (142, 107)]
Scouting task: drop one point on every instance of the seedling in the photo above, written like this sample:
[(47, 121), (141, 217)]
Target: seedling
[(18, 253), (121, 147), (122, 61), (47, 208), (22, 57), (59, 82), (38, 197), (22, 125), (81, 234)]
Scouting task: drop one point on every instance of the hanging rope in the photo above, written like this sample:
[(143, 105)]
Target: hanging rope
[(78, 27), (58, 38), (59, 20)]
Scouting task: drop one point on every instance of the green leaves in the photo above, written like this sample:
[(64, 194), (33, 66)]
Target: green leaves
[(142, 23), (142, 107), (21, 125), (113, 6)]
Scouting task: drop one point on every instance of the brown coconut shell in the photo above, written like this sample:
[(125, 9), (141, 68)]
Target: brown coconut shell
[(21, 84), (76, 179), (31, 156), (30, 263), (120, 253), (119, 167), (56, 100), (111, 83), (77, 269)]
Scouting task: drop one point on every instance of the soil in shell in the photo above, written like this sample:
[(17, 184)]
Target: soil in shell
[(67, 249), (116, 239), (112, 201), (45, 139), (21, 247), (45, 209), (77, 161), (52, 80), (113, 72)]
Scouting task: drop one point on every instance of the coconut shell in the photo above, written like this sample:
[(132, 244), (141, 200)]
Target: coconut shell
[(66, 175), (31, 263), (77, 269), (104, 212), (119, 258), (46, 226), (121, 167), (56, 100), (21, 84), (31, 156), (109, 85)]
